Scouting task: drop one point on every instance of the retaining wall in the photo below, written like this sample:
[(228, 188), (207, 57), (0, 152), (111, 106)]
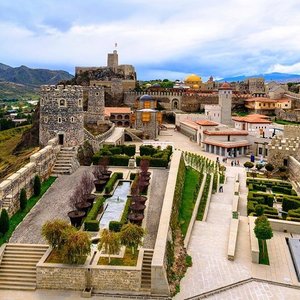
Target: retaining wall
[(41, 163)]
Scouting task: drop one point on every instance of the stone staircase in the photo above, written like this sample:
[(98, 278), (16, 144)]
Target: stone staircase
[(66, 162), (146, 269), (18, 266)]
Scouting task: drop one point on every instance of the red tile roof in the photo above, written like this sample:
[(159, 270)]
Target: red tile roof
[(116, 110), (206, 123), (190, 123), (226, 132), (255, 118), (227, 144)]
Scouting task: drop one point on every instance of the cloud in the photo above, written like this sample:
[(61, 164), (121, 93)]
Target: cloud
[(220, 38), (293, 69)]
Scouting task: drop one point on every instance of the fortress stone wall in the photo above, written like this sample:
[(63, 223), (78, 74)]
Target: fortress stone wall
[(41, 163)]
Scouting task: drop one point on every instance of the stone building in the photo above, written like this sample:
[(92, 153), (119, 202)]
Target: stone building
[(61, 114), (146, 118), (256, 86)]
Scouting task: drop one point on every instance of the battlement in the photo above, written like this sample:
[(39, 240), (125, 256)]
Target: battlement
[(61, 88)]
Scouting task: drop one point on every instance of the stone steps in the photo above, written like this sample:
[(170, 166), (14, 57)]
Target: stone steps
[(146, 269), (18, 266), (64, 164)]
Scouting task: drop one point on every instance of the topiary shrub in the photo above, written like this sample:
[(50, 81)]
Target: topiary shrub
[(248, 164), (115, 226), (23, 199), (290, 203), (37, 185), (4, 221), (269, 167)]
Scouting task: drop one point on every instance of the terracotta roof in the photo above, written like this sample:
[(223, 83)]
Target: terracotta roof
[(116, 110), (255, 118), (227, 144), (206, 123), (190, 123), (261, 99), (225, 86), (226, 132), (283, 100)]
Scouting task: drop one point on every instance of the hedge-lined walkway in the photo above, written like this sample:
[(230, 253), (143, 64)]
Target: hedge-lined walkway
[(54, 204)]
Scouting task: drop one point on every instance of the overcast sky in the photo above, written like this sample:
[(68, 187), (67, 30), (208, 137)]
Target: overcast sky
[(161, 38)]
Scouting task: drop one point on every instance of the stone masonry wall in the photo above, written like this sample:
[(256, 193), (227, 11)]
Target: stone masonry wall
[(41, 163), (294, 168), (75, 278)]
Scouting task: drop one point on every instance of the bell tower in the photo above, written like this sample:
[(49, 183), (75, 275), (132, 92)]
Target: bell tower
[(225, 102)]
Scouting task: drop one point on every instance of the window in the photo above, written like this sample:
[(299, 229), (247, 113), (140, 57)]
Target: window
[(45, 119), (72, 119), (62, 103), (97, 94), (79, 102), (59, 120), (260, 151)]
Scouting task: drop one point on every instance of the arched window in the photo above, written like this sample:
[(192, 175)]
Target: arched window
[(72, 119), (59, 120), (79, 102), (45, 119), (62, 103)]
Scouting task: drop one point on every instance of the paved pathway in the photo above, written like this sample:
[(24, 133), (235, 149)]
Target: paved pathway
[(156, 195), (208, 247), (54, 204)]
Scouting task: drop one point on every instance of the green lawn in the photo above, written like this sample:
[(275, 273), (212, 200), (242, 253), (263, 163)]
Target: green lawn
[(203, 199), (18, 217), (263, 260), (189, 196), (129, 259)]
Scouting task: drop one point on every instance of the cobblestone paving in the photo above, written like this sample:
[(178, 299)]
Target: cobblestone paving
[(156, 195), (54, 204)]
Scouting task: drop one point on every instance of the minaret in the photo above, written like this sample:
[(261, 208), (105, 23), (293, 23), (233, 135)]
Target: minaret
[(225, 101)]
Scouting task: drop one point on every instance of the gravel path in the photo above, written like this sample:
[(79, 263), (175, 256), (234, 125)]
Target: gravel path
[(54, 204), (157, 191)]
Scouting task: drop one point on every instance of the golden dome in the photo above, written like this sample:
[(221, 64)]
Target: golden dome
[(193, 78), (195, 86)]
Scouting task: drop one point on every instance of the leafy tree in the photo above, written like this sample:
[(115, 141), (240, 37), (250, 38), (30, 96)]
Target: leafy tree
[(131, 236), (248, 164), (110, 241), (23, 199), (259, 210), (37, 185), (282, 169), (4, 221), (269, 167), (263, 231), (55, 232), (77, 245)]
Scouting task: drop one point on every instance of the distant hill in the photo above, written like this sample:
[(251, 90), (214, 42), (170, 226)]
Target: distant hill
[(28, 76), (279, 77), (19, 82)]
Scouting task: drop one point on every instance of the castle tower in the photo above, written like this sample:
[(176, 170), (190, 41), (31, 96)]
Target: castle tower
[(95, 110), (112, 60), (225, 101), (61, 114)]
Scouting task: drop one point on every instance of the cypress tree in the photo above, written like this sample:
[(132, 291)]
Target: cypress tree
[(4, 221), (23, 199)]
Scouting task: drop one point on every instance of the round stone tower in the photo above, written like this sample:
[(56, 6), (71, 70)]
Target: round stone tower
[(61, 114)]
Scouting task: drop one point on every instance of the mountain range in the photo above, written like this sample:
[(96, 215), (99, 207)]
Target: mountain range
[(28, 76), (275, 76), (20, 82)]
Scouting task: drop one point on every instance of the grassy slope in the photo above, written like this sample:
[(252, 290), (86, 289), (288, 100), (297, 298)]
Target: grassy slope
[(188, 199), (9, 162), (18, 217)]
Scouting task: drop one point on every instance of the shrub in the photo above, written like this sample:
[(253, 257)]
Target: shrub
[(282, 169), (115, 226), (248, 164), (259, 166), (90, 223), (115, 150), (23, 199), (36, 185), (147, 150), (4, 221), (111, 182), (132, 176), (259, 210), (119, 160), (269, 167), (289, 203), (251, 207), (129, 150), (294, 213)]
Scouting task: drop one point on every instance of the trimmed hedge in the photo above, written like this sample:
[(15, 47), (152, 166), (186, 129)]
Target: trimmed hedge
[(261, 198), (154, 162), (156, 156), (90, 223), (289, 203), (112, 180), (115, 226), (293, 219)]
